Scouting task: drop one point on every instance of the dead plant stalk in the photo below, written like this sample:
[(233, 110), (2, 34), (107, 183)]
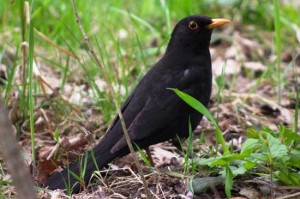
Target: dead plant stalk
[(113, 95)]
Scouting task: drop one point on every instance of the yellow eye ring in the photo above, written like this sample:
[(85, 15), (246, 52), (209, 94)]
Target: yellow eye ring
[(193, 25)]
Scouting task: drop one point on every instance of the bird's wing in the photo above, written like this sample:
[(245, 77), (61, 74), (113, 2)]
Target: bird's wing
[(154, 116), (153, 106), (124, 106)]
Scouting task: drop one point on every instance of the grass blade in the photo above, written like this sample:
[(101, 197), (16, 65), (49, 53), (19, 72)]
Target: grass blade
[(202, 109), (278, 46), (31, 86)]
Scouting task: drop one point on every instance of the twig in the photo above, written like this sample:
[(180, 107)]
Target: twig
[(290, 196), (18, 170), (288, 188), (117, 195), (52, 43), (134, 175), (113, 94), (161, 190)]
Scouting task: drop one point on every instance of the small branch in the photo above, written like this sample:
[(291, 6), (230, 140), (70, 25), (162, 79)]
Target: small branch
[(294, 195), (11, 151), (113, 94), (52, 43)]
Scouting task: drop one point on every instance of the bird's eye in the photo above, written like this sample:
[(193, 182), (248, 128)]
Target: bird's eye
[(193, 25)]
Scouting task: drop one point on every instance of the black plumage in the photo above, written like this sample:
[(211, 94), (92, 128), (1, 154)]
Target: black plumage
[(153, 113)]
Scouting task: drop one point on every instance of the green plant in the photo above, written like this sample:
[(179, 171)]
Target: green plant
[(275, 153), (265, 152), (202, 109)]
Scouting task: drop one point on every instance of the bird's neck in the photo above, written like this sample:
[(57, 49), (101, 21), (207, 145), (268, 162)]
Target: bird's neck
[(177, 48), (181, 53)]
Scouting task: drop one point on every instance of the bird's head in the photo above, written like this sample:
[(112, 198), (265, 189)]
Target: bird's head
[(194, 32)]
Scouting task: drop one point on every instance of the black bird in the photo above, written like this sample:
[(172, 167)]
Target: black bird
[(153, 113)]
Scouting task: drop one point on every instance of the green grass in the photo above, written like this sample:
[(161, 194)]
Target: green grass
[(31, 88), (11, 76), (142, 21), (220, 139), (297, 101), (278, 44), (274, 152)]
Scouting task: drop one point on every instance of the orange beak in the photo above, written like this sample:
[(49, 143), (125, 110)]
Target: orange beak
[(217, 22)]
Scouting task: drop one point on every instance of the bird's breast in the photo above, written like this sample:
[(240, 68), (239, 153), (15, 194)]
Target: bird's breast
[(197, 81)]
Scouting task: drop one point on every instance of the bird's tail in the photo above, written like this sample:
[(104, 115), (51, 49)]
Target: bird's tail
[(66, 180)]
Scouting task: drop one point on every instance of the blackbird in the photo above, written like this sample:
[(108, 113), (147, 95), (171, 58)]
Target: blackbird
[(153, 113)]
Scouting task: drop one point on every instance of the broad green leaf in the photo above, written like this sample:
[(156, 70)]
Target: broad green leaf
[(249, 165), (295, 157), (227, 159), (238, 170), (259, 157), (276, 149), (250, 145), (203, 161)]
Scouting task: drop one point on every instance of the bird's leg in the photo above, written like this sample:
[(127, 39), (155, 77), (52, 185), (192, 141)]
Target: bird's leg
[(149, 156)]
